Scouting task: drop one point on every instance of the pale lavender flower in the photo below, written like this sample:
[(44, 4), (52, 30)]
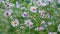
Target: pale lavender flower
[(28, 23), (43, 4), (49, 32), (59, 1), (7, 13), (42, 13), (15, 23), (52, 32), (48, 0), (25, 14), (33, 9), (17, 5), (39, 28), (39, 2), (59, 27)]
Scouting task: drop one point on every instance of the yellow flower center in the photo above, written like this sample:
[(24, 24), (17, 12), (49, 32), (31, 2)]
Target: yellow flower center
[(15, 22)]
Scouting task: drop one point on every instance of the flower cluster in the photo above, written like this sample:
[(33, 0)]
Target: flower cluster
[(35, 17)]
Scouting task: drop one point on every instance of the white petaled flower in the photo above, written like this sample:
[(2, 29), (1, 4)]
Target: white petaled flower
[(52, 32), (49, 32), (42, 13), (53, 6), (33, 9), (28, 23), (39, 28), (58, 1), (48, 1), (7, 13), (8, 5), (43, 4), (39, 2), (15, 23), (48, 15), (17, 5), (43, 22), (59, 27), (22, 26), (25, 14), (49, 23)]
